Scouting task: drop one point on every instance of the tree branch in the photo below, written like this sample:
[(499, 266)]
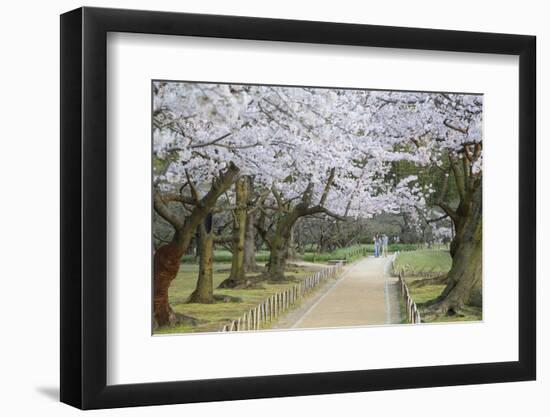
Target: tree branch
[(278, 197), (327, 187), (449, 211), (194, 191), (437, 219), (459, 184), (320, 209), (223, 239), (448, 123), (163, 211), (212, 142)]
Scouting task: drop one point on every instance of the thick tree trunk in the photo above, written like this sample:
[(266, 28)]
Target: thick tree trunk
[(166, 266), (238, 276), (464, 280), (250, 245), (277, 258), (279, 244), (204, 291), (167, 258)]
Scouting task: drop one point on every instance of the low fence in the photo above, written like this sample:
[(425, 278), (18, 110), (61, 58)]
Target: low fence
[(271, 308), (413, 314), (409, 271), (356, 253)]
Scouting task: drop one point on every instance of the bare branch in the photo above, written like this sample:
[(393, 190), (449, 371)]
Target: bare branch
[(212, 142), (194, 191), (278, 197), (163, 211), (223, 239), (449, 211), (450, 125), (437, 219), (327, 187)]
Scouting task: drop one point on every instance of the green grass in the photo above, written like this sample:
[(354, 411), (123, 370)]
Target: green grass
[(222, 256), (426, 293), (262, 256), (401, 247), (424, 261), (344, 253), (349, 254), (418, 265), (213, 316)]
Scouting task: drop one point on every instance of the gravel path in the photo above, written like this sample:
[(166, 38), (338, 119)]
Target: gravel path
[(365, 295)]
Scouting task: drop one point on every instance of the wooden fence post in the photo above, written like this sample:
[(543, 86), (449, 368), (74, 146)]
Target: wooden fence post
[(272, 307)]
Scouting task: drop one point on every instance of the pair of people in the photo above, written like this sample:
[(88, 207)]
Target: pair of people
[(380, 245)]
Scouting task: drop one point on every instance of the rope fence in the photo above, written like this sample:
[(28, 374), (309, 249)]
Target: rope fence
[(271, 308), (413, 314)]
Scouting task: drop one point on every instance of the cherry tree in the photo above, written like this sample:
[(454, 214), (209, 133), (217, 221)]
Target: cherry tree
[(335, 168), (283, 153), (446, 130)]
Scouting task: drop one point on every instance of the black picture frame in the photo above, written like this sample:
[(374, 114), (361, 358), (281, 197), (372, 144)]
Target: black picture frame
[(84, 207)]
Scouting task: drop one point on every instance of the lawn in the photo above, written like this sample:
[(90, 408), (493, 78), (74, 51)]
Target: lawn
[(223, 256), (422, 264), (213, 316), (262, 256), (351, 253), (354, 252)]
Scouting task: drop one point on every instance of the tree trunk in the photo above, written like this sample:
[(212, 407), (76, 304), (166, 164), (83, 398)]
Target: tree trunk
[(279, 244), (324, 246), (239, 229), (238, 275), (280, 241), (278, 258), (465, 277), (204, 291), (291, 249), (250, 245), (166, 264), (167, 258)]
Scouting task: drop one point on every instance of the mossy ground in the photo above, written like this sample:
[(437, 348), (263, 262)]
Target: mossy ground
[(418, 264), (212, 316)]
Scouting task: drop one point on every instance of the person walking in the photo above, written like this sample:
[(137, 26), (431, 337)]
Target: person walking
[(384, 245), (376, 240)]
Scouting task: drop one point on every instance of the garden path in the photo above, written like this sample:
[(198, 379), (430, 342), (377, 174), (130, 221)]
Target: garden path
[(365, 295)]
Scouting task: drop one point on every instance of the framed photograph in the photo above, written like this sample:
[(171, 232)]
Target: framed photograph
[(258, 208)]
